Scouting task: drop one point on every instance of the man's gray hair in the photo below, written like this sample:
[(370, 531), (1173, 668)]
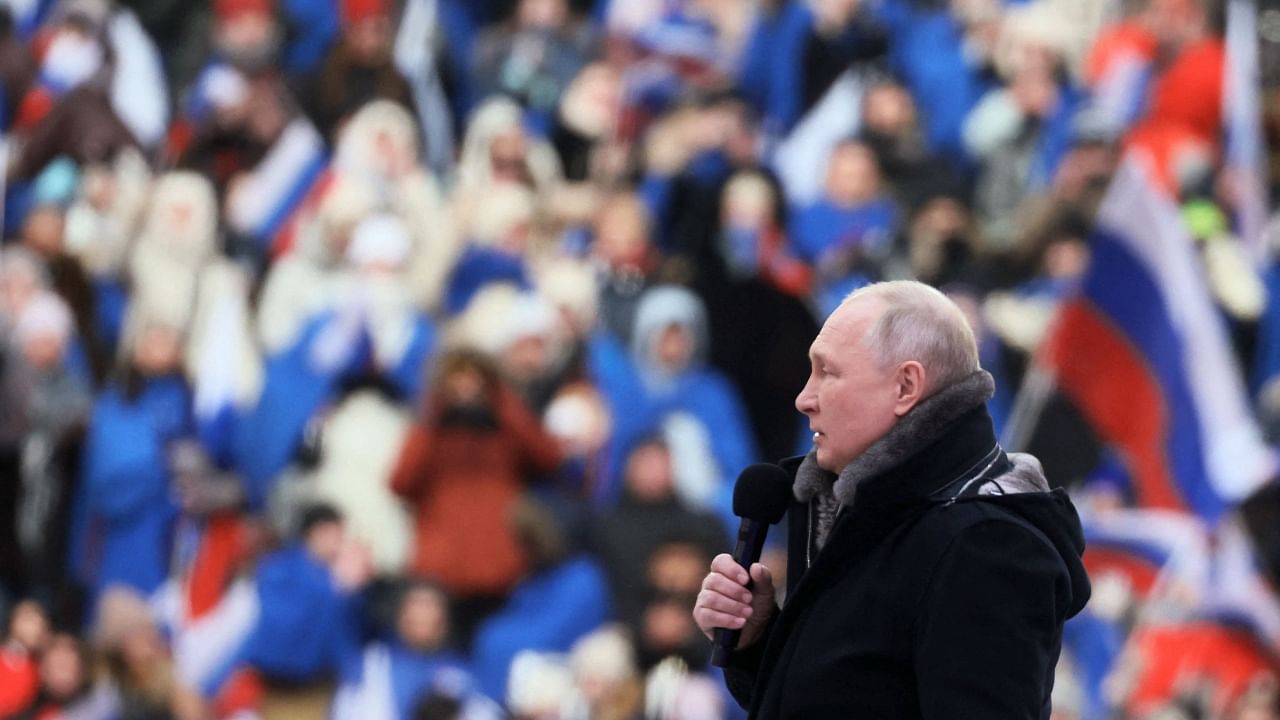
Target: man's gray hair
[(920, 323)]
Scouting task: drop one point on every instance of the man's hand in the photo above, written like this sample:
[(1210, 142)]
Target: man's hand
[(725, 601)]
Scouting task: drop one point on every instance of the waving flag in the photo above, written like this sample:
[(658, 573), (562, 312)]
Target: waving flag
[(1153, 550), (292, 171), (1244, 153), (1142, 354)]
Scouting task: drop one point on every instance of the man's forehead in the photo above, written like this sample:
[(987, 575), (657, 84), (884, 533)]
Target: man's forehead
[(849, 320), (831, 338)]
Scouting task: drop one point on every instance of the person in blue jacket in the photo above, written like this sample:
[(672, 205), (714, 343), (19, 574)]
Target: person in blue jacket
[(126, 507), (310, 610), (399, 674), (336, 346), (564, 597), (693, 404)]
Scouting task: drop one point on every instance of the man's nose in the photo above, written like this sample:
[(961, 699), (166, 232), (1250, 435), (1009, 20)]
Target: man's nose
[(805, 400)]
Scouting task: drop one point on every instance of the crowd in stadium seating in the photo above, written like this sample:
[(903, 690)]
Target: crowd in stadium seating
[(395, 358)]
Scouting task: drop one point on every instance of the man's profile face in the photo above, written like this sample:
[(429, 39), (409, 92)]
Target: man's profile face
[(849, 401)]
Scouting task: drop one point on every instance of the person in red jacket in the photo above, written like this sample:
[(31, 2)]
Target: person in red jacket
[(463, 465), (27, 634)]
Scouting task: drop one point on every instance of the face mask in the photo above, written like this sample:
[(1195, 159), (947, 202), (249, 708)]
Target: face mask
[(71, 59), (251, 58), (741, 248)]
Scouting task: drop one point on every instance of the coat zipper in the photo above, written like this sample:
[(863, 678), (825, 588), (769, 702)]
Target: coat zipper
[(808, 545)]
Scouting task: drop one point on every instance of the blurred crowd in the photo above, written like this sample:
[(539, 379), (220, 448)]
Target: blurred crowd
[(395, 358)]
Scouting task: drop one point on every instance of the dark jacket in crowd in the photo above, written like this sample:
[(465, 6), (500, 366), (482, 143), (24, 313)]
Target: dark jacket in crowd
[(626, 537), (930, 579)]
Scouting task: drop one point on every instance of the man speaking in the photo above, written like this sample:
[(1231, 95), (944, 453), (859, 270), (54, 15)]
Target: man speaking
[(929, 572)]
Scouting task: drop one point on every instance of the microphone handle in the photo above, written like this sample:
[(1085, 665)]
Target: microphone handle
[(751, 534)]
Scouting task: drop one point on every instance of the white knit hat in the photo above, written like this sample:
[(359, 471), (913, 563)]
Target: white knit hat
[(540, 684), (45, 315)]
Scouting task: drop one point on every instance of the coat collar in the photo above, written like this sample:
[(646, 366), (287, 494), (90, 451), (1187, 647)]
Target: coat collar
[(953, 427)]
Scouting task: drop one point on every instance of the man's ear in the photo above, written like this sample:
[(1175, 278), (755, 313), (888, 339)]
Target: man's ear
[(909, 383)]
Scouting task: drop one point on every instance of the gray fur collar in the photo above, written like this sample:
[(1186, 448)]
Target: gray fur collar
[(1026, 476), (913, 432)]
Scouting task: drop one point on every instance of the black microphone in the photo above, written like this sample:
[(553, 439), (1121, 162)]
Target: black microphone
[(760, 498)]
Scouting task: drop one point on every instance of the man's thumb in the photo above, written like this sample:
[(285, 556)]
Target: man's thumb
[(762, 579)]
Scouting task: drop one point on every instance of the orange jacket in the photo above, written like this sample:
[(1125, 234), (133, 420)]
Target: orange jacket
[(462, 482)]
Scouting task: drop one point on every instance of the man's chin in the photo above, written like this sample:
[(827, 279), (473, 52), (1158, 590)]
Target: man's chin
[(825, 462)]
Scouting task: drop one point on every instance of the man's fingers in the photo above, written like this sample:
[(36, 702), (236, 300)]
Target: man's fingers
[(718, 583), (725, 565), (708, 620), (715, 601)]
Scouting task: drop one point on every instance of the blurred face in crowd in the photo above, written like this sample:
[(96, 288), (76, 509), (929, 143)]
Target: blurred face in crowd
[(726, 126), (43, 351), (19, 283), (141, 649), (1173, 22), (395, 154), (673, 349), (982, 20), (940, 237), (43, 231), (853, 177), (603, 667), (888, 109), (28, 626), (748, 203), (248, 39), (849, 400), (62, 670), (526, 358), (542, 14), (678, 567), (675, 573), (590, 103), (369, 40), (507, 158), (1085, 168), (941, 217), (99, 186), (1035, 85), (834, 14), (622, 233), (748, 212), (325, 540), (515, 238), (423, 623), (1066, 258), (648, 474), (267, 113), (465, 386), (158, 351)]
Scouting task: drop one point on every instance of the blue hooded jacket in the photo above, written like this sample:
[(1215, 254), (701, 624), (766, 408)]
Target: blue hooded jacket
[(125, 509), (547, 612)]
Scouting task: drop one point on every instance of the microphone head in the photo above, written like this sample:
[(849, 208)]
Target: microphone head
[(762, 493)]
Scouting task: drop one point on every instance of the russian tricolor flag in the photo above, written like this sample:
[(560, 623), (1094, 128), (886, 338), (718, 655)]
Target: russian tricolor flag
[(1153, 550), (295, 169), (1142, 353), (1244, 148)]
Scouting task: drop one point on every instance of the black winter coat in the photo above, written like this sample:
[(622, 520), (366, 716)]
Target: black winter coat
[(924, 601)]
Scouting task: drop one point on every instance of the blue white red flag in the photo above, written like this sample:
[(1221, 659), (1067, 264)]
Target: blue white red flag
[(1244, 149), (292, 170), (1143, 354)]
